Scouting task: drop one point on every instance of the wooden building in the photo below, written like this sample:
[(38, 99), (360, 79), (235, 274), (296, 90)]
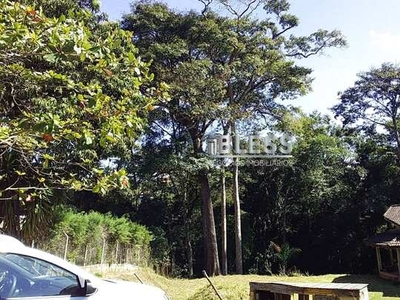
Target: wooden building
[(387, 246)]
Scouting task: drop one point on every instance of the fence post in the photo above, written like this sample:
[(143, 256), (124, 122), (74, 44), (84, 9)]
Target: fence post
[(116, 252), (85, 255), (66, 245), (103, 251)]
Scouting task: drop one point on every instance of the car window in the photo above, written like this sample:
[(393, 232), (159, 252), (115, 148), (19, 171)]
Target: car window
[(24, 276)]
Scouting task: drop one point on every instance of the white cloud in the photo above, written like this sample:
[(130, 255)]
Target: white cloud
[(386, 41)]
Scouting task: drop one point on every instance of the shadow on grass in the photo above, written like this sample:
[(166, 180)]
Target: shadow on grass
[(375, 284)]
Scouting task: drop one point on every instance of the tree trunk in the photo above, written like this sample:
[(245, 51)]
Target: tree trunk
[(10, 216), (236, 201), (396, 136), (188, 244), (189, 254), (209, 233), (224, 239)]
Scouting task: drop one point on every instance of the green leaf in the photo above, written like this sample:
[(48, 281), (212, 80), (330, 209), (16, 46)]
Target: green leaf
[(88, 140), (76, 185), (48, 156), (51, 57), (69, 46)]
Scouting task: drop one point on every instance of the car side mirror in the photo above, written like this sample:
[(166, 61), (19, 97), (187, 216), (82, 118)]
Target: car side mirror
[(82, 282), (89, 288), (86, 286)]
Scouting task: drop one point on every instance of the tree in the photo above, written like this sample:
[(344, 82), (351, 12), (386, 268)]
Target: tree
[(341, 183), (72, 93), (221, 68), (170, 181), (374, 101)]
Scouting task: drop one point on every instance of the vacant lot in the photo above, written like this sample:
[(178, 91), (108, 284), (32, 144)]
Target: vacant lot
[(236, 287)]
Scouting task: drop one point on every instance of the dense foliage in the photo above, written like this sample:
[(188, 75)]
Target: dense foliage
[(372, 104), (73, 93)]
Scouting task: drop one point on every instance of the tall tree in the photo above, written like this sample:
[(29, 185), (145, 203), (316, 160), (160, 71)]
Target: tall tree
[(72, 94), (222, 68), (224, 229), (374, 101)]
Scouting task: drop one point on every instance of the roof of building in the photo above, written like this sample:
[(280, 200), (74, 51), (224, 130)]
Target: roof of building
[(341, 290), (393, 214), (390, 238)]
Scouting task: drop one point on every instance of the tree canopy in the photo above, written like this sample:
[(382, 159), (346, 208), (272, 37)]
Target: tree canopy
[(72, 95), (373, 102)]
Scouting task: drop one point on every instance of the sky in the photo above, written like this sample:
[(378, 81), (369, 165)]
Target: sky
[(371, 28)]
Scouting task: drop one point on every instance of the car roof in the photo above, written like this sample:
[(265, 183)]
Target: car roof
[(7, 240)]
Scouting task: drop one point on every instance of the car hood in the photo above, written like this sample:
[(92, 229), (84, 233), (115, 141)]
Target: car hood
[(119, 289)]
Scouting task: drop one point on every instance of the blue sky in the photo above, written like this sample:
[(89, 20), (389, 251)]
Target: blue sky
[(370, 26)]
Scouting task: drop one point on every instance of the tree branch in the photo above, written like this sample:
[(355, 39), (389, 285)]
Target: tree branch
[(206, 4), (315, 52), (238, 14)]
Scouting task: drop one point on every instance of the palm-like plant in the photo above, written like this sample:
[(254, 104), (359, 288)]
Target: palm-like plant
[(284, 255)]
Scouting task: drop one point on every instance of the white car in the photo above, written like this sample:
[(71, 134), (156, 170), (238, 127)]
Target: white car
[(27, 273)]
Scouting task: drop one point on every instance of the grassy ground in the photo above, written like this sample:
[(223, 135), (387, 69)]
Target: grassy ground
[(236, 287)]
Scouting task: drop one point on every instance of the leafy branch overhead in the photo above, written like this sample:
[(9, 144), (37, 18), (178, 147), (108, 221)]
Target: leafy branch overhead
[(71, 94)]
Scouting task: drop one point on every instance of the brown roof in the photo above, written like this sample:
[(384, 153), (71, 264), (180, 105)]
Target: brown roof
[(390, 238), (393, 214)]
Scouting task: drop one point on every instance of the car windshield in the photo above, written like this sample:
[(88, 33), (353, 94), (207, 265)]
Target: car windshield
[(25, 276), (37, 267)]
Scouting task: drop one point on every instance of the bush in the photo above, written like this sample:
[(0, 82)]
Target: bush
[(93, 238)]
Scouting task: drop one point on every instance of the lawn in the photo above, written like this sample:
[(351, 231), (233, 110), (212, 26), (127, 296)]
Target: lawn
[(236, 287)]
